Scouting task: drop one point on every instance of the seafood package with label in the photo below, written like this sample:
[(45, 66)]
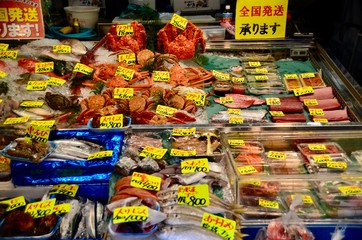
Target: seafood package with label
[(261, 207), (317, 148), (285, 162), (313, 80), (331, 163)]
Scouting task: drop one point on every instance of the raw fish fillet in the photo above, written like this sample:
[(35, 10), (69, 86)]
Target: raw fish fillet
[(319, 93), (289, 99), (287, 107), (335, 115), (326, 104), (241, 101), (296, 117)]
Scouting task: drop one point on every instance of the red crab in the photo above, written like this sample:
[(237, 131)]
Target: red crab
[(182, 43)]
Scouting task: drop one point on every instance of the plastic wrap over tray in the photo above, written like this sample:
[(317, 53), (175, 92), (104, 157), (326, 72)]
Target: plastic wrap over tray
[(71, 171)]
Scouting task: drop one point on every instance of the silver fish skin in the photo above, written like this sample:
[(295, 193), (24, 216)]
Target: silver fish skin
[(186, 232), (182, 219), (184, 209), (189, 178), (67, 220)]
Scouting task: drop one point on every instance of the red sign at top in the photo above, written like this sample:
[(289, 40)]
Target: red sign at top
[(21, 19)]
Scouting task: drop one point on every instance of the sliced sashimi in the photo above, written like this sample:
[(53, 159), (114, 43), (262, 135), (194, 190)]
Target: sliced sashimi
[(287, 107), (123, 183), (293, 117), (135, 192), (289, 99), (326, 104), (241, 101), (334, 115), (319, 93)]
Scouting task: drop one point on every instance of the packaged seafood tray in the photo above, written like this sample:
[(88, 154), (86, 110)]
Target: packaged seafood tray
[(236, 70), (264, 89), (248, 163), (313, 80), (272, 77), (319, 148), (309, 207), (258, 64), (255, 186), (246, 146), (331, 163), (261, 70), (255, 57), (285, 162), (291, 82)]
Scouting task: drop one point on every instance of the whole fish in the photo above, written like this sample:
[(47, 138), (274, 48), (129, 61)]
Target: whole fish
[(186, 232), (182, 219)]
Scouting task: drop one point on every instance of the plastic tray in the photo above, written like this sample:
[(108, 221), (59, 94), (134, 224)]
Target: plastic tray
[(329, 148)]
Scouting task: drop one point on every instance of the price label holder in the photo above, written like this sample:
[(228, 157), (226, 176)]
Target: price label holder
[(234, 111), (130, 214), (316, 112), (195, 165), (320, 120), (111, 121), (165, 110), (183, 131), (198, 98), (182, 153), (123, 93), (337, 165), (4, 47), (261, 78), (306, 199), (62, 208), (254, 64), (307, 75), (291, 76), (179, 22), (145, 181), (153, 152), (161, 76), (238, 79), (3, 74), (14, 203), (222, 226), (261, 70), (65, 189), (100, 154), (193, 195), (40, 209)]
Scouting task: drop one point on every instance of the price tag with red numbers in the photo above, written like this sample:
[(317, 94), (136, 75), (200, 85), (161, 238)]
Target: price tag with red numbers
[(124, 29), (41, 67), (40, 209)]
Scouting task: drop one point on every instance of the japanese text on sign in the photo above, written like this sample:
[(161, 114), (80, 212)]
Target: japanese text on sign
[(40, 209), (317, 147), (62, 49), (42, 67), (195, 165), (277, 155), (322, 158), (268, 203), (234, 111), (247, 170), (145, 181), (183, 131), (124, 29), (36, 85), (3, 74), (303, 91), (224, 100), (21, 19), (198, 98), (82, 68), (236, 142), (123, 93), (52, 81), (100, 154), (13, 54), (236, 120), (39, 130), (310, 102), (156, 153), (193, 195), (272, 101), (220, 75), (165, 110), (64, 189), (126, 73), (112, 121), (221, 226), (260, 19), (182, 153), (350, 190), (14, 203), (179, 22), (161, 76), (129, 58), (16, 120), (276, 113), (130, 214), (62, 208)]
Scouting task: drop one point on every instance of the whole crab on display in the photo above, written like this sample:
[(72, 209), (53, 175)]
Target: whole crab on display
[(182, 43), (135, 42)]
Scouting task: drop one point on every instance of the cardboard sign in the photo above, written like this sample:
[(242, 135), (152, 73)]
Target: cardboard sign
[(21, 19)]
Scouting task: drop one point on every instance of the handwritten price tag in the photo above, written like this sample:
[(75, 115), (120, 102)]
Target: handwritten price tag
[(238, 79), (225, 100), (316, 112), (234, 111), (123, 93), (16, 120), (183, 131), (291, 76), (306, 199), (100, 154), (337, 165), (40, 209), (272, 101), (310, 102), (165, 110), (39, 130), (322, 158), (277, 113), (244, 170), (32, 104), (161, 76), (277, 155), (268, 204), (194, 195), (126, 73), (261, 70), (145, 181), (14, 203), (56, 82), (254, 64), (236, 142), (129, 58), (4, 46), (179, 22), (112, 121), (317, 147), (220, 75), (195, 165), (65, 189), (350, 190), (36, 85), (124, 29), (62, 49), (3, 74), (155, 153), (222, 226), (303, 91), (42, 67), (307, 75), (82, 68), (320, 120), (236, 120), (182, 153), (130, 214), (9, 54), (198, 98), (261, 78), (62, 208)]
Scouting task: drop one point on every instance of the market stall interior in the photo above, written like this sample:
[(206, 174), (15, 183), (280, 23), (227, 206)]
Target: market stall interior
[(153, 130)]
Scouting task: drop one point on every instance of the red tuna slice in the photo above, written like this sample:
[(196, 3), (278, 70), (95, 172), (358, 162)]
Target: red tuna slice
[(296, 117), (334, 115), (319, 93), (287, 107), (326, 104), (241, 101), (289, 99)]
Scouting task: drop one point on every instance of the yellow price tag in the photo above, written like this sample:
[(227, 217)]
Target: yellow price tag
[(145, 181), (236, 142), (82, 68), (32, 104), (183, 131), (182, 153), (277, 155), (4, 47), (195, 165), (64, 189), (111, 121), (222, 226), (316, 112), (198, 98), (238, 79), (261, 70), (277, 113), (320, 120), (60, 49), (44, 123), (165, 110), (322, 158), (306, 199), (310, 102), (337, 165), (254, 64), (317, 147), (307, 75), (179, 22), (123, 93), (36, 85), (3, 74), (194, 195), (130, 214), (16, 120), (129, 58), (303, 91), (161, 76), (261, 78), (291, 76), (225, 100), (124, 29), (40, 209), (62, 208), (234, 111), (126, 73), (268, 204), (9, 54), (153, 152), (57, 82), (220, 75), (100, 154), (42, 67), (272, 101), (39, 130), (247, 170), (14, 203), (236, 120), (350, 190)]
